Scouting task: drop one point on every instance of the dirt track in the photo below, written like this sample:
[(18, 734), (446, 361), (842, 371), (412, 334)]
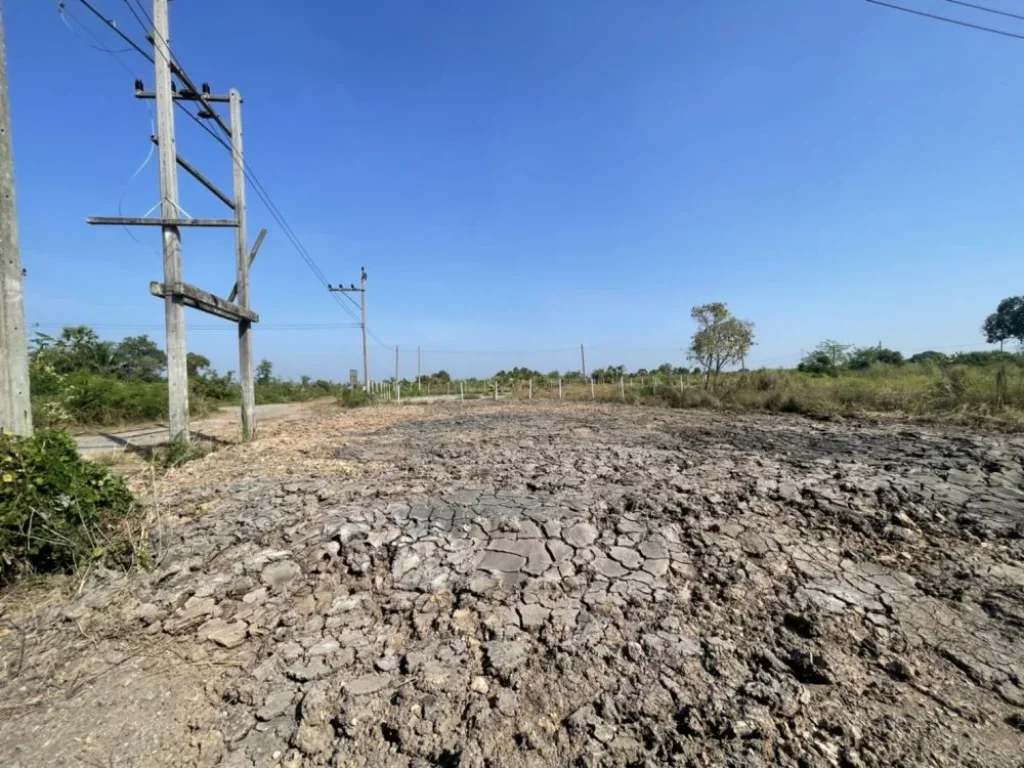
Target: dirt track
[(541, 584)]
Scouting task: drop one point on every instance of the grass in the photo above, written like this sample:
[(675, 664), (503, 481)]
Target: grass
[(917, 390)]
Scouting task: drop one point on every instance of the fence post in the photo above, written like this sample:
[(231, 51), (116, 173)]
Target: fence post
[(622, 387), (399, 390), (592, 396), (462, 393), (559, 387), (531, 389), (495, 389), (654, 385)]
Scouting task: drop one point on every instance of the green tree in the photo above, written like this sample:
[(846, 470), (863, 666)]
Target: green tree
[(197, 364), (720, 340), (827, 357), (1006, 323), (139, 358), (264, 372), (865, 357)]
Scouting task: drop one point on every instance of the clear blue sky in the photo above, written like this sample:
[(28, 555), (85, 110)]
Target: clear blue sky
[(520, 177)]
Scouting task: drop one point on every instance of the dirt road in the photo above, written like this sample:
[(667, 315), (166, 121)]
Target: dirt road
[(496, 584), (223, 423)]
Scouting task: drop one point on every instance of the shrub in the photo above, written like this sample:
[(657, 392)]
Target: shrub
[(353, 398), (58, 511)]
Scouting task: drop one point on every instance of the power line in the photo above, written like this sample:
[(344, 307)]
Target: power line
[(250, 174), (947, 19), (986, 9)]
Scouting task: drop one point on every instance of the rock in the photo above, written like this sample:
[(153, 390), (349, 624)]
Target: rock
[(506, 702), (628, 557), (533, 616), (366, 684), (504, 656), (504, 562), (280, 573), (323, 648), (224, 634), (580, 535), (387, 664), (478, 685), (609, 568), (278, 702), (314, 670), (604, 732)]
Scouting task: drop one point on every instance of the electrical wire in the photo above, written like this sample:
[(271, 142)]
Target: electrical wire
[(986, 9), (947, 19), (258, 187), (64, 12)]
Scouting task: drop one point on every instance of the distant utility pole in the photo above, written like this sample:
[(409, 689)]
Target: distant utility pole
[(583, 361), (419, 363), (361, 290), (15, 407), (396, 363), (176, 293)]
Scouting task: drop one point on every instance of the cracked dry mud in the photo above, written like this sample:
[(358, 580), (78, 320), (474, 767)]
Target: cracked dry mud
[(534, 584)]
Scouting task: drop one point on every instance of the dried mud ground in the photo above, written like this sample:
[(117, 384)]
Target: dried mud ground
[(544, 584)]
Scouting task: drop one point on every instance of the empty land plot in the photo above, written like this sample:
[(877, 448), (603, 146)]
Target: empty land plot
[(539, 584)]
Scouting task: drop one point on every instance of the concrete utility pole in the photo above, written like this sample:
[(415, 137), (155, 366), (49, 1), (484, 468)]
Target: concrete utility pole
[(583, 361), (175, 293), (419, 363), (361, 290), (396, 363), (245, 371), (174, 307), (15, 406)]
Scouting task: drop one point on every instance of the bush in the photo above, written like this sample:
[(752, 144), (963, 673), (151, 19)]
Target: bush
[(353, 398), (58, 511)]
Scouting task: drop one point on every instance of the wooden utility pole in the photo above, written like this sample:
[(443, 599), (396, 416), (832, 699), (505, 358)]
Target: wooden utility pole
[(174, 307), (15, 405), (245, 370), (583, 361), (361, 290)]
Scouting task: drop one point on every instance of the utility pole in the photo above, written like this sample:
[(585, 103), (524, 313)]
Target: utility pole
[(361, 290), (174, 307), (15, 406), (583, 361), (419, 363), (174, 291), (245, 371), (396, 363)]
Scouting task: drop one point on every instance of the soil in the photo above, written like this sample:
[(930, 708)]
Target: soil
[(535, 584)]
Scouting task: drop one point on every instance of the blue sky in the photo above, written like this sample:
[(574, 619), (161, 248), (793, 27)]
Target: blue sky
[(520, 177)]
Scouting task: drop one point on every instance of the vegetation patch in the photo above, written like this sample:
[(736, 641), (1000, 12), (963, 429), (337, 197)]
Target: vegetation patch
[(59, 512)]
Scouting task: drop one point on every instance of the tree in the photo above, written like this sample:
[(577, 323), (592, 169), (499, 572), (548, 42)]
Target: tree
[(1007, 322), (264, 372), (720, 340), (865, 357), (929, 356), (138, 357), (817, 361), (196, 364), (827, 357)]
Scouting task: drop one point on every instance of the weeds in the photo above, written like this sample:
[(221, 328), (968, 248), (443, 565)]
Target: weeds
[(60, 513)]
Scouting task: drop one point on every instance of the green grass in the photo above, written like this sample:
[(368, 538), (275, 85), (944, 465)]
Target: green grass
[(918, 390)]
